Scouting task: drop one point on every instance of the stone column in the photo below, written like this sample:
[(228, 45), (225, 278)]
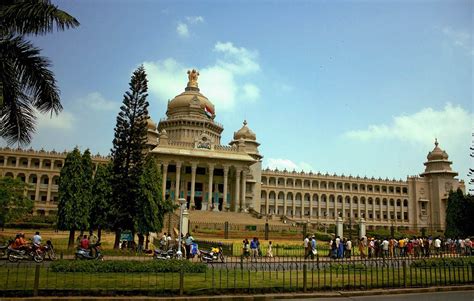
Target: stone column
[(319, 207), (339, 230), (185, 221), (350, 207), (50, 184), (163, 184), (209, 192), (373, 209), (243, 205), (226, 204), (361, 227), (193, 183), (178, 181), (284, 203), (343, 209), (237, 190), (310, 206)]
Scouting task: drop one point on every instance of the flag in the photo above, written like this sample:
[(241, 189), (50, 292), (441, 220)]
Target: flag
[(208, 111)]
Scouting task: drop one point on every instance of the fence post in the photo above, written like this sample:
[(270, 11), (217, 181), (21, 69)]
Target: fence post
[(404, 265), (226, 230), (305, 277), (181, 281), (36, 284)]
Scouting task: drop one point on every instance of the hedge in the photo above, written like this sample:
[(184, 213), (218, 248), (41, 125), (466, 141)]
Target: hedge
[(442, 262), (122, 266)]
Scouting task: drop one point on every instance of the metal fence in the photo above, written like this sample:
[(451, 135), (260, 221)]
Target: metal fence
[(262, 275)]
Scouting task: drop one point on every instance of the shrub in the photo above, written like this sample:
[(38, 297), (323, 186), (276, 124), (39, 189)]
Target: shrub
[(122, 266), (441, 262)]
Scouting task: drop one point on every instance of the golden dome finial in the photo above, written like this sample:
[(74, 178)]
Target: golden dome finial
[(193, 78)]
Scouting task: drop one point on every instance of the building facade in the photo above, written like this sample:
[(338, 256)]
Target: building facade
[(40, 169), (212, 176)]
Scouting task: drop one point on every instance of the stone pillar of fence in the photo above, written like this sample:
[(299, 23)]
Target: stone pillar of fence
[(339, 226), (361, 228), (185, 222)]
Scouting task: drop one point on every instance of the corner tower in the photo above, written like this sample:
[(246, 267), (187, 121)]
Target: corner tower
[(429, 192)]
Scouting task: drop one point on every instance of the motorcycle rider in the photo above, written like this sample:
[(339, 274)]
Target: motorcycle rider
[(37, 239), (85, 243), (19, 242), (188, 242)]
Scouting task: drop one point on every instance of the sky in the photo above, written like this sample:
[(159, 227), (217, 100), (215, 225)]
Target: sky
[(339, 87)]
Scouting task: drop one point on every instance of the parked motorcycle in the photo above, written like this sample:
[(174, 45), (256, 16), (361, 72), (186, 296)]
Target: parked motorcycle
[(4, 249), (214, 255), (25, 253), (93, 253), (48, 250), (164, 255)]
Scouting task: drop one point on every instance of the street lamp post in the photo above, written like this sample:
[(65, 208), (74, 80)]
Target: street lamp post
[(182, 201)]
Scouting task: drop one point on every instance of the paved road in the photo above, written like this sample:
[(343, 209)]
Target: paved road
[(437, 296)]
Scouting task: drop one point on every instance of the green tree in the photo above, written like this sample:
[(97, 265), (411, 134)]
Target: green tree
[(13, 202), (87, 181), (26, 82), (129, 146), (101, 196), (73, 207), (151, 207), (455, 214)]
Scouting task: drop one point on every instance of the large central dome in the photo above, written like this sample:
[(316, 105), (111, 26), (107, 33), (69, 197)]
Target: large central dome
[(191, 103), (191, 115)]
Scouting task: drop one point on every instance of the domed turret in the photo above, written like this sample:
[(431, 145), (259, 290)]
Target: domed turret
[(437, 153), (152, 133), (438, 163), (245, 133), (246, 137)]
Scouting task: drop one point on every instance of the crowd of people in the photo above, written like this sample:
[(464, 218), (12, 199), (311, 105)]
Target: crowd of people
[(415, 247)]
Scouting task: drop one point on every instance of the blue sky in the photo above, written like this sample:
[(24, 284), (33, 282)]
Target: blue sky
[(352, 87)]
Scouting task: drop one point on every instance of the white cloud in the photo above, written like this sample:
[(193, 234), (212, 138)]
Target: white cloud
[(451, 125), (251, 92), (182, 30), (237, 60), (63, 121), (282, 164), (97, 102), (195, 19), (460, 38), (220, 81)]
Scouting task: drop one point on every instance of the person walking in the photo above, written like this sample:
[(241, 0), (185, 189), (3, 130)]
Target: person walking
[(254, 248), (306, 247), (348, 252), (269, 250), (314, 251)]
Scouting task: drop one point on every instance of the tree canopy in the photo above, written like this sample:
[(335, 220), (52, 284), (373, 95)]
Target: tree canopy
[(13, 202), (27, 84)]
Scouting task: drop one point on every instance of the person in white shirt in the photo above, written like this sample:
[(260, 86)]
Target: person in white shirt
[(348, 249), (307, 250), (37, 239), (385, 247), (437, 246)]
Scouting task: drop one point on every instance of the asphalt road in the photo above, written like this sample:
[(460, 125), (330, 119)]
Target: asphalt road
[(437, 296)]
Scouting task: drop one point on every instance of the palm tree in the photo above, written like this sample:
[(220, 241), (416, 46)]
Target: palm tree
[(26, 83)]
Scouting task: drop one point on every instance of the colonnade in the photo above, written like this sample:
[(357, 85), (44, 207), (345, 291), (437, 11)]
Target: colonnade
[(233, 180)]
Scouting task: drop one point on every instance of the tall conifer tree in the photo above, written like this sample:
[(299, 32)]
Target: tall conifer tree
[(73, 208), (101, 196), (129, 146)]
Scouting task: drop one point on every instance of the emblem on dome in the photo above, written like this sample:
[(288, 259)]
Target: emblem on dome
[(193, 78), (203, 142)]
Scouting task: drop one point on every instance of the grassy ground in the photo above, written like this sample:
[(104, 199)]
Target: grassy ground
[(21, 278)]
